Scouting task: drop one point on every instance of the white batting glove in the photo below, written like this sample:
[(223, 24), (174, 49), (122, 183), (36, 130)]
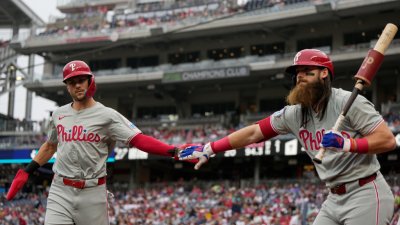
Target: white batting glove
[(200, 152), (335, 141)]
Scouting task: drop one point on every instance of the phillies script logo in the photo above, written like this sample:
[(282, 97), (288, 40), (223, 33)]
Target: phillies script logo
[(311, 141), (77, 133)]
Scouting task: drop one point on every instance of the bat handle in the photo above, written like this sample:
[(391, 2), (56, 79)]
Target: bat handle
[(321, 152), (318, 158)]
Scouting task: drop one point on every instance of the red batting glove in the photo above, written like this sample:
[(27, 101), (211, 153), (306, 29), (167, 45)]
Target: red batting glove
[(19, 181)]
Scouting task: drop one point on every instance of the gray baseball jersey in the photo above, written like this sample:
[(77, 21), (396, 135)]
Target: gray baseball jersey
[(84, 138), (338, 167)]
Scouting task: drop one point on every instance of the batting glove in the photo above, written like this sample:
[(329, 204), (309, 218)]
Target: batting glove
[(200, 152), (335, 141), (21, 178), (19, 181), (175, 153)]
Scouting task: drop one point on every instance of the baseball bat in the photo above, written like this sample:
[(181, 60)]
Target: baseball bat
[(364, 76)]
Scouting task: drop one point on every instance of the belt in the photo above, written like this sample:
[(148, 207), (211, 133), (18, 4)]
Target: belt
[(341, 188), (81, 184)]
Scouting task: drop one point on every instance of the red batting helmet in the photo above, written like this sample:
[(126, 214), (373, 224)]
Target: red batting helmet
[(310, 57), (80, 68)]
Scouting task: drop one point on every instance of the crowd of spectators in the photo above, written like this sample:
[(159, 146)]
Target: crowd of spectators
[(172, 135), (391, 113), (272, 202), (18, 134), (143, 18), (29, 209), (157, 14), (198, 131), (178, 136), (393, 120), (283, 202)]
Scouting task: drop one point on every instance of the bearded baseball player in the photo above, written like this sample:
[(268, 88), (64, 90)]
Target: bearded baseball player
[(359, 194), (83, 133)]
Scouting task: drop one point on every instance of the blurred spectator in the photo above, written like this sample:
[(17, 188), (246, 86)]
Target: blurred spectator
[(387, 105), (272, 202)]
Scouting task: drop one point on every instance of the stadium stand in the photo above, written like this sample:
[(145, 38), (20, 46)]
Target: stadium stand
[(147, 58), (283, 202)]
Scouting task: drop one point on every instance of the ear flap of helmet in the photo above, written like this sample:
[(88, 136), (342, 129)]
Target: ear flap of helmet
[(92, 87)]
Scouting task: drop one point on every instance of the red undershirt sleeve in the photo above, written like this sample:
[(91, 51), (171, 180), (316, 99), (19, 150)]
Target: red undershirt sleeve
[(151, 145), (266, 128)]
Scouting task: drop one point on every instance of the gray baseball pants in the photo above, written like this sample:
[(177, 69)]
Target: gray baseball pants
[(370, 204), (70, 205)]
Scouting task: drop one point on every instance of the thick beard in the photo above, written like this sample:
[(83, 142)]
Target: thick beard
[(307, 95)]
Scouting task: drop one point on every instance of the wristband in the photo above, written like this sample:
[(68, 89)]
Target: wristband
[(359, 145), (221, 145), (31, 167), (352, 145)]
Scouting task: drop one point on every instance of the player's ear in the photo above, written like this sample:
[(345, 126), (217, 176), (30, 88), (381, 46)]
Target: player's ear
[(324, 73)]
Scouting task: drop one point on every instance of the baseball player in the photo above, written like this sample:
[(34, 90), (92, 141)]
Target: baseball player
[(358, 192), (83, 133)]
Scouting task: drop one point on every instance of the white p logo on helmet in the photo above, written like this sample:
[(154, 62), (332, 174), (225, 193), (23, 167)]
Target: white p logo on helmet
[(73, 66)]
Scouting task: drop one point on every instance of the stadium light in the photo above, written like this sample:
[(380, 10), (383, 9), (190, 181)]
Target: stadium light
[(19, 78)]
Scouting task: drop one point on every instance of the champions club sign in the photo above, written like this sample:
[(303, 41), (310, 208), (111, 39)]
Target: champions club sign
[(209, 74)]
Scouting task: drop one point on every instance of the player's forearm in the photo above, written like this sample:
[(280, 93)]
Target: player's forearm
[(151, 145), (246, 136), (381, 140), (45, 153), (238, 139)]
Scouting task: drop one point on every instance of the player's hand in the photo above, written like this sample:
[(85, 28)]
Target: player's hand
[(200, 152), (333, 140), (19, 181), (175, 152), (184, 146)]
